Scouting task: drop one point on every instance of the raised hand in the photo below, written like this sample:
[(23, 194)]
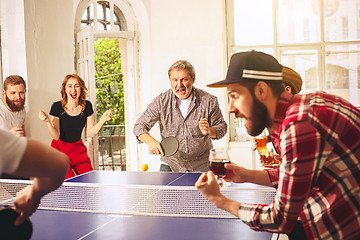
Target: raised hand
[(107, 115), (204, 126), (43, 116)]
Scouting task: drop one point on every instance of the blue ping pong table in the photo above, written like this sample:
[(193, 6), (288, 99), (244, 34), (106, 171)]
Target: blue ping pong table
[(60, 225)]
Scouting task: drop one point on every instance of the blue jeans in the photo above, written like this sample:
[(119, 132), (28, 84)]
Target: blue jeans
[(165, 168)]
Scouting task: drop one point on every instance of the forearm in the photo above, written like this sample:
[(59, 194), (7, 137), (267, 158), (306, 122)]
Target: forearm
[(220, 128), (54, 178), (260, 177), (146, 138), (217, 121), (47, 165), (208, 186), (95, 128), (55, 134), (226, 204), (212, 132)]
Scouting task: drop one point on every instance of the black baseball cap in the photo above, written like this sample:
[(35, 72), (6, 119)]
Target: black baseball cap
[(251, 65)]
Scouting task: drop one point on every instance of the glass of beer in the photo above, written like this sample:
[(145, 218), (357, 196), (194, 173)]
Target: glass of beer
[(266, 158), (217, 159), (260, 142)]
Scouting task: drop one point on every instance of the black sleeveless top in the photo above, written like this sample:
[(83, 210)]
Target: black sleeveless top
[(71, 126)]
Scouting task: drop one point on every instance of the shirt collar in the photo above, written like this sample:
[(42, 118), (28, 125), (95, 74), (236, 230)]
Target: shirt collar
[(280, 112)]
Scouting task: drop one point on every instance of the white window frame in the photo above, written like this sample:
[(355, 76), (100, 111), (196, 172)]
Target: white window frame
[(278, 48)]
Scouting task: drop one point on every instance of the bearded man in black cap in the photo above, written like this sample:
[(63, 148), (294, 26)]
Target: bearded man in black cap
[(317, 137)]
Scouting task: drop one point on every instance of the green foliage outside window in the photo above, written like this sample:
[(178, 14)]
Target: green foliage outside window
[(109, 80)]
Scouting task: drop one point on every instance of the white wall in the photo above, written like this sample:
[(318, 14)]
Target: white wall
[(191, 30), (49, 55)]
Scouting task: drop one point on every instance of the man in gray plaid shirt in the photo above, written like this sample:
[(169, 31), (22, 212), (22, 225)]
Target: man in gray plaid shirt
[(191, 115)]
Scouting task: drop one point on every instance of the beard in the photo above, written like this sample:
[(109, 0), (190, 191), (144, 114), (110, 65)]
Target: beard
[(185, 95), (259, 118), (13, 106)]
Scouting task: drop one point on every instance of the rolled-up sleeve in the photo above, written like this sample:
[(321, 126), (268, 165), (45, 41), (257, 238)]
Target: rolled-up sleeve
[(148, 119), (293, 184), (216, 119)]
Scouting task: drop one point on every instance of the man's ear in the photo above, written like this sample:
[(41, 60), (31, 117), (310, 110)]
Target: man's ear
[(288, 88), (261, 91)]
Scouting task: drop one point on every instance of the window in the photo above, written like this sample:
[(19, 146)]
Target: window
[(104, 17), (320, 39)]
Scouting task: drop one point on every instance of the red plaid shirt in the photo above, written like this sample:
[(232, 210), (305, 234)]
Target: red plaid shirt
[(318, 182)]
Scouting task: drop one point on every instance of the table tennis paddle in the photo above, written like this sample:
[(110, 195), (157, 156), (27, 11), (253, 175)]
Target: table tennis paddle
[(169, 145), (7, 228)]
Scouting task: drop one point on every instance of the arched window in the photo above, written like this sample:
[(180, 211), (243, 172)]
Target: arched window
[(106, 16)]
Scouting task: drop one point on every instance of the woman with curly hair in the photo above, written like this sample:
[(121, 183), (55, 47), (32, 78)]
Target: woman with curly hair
[(69, 117)]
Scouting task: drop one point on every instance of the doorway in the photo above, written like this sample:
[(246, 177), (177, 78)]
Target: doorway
[(115, 87), (109, 87)]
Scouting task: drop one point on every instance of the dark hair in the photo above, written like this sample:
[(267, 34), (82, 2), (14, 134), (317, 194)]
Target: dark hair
[(13, 80), (293, 89), (277, 87)]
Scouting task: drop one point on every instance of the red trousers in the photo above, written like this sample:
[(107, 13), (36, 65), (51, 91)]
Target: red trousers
[(77, 152)]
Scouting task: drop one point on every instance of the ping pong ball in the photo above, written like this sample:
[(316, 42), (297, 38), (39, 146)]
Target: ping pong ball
[(144, 167)]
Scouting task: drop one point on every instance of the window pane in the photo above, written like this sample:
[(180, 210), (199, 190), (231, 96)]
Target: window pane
[(305, 63), (100, 11), (342, 71), (116, 28), (100, 26), (83, 25), (342, 21), (253, 25), (107, 10), (298, 21), (91, 11), (85, 15), (107, 17)]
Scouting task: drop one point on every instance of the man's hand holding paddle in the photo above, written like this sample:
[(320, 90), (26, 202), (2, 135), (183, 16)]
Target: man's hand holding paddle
[(154, 146), (167, 147), (26, 203)]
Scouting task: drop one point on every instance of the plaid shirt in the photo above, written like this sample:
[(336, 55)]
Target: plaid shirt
[(194, 147), (318, 182)]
